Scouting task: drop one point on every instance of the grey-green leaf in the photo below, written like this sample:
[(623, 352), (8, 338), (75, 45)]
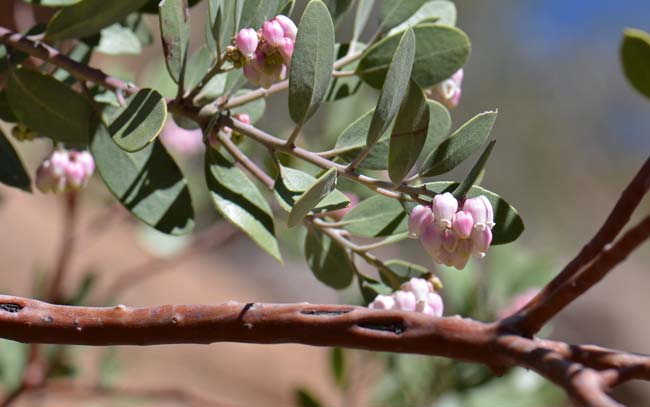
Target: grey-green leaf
[(198, 65), (401, 271), (337, 365), (375, 217), (49, 107), (371, 288), (409, 133), (312, 61), (117, 39), (175, 33), (323, 186), (635, 55), (291, 184), (441, 51), (342, 87), (254, 110), (139, 121), (12, 170), (441, 12), (460, 145), (240, 202), (475, 173), (87, 17), (392, 12), (394, 88), (338, 8), (364, 9), (148, 183), (508, 222), (328, 260)]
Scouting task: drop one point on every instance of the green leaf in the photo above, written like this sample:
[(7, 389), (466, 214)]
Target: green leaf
[(338, 8), (311, 64), (117, 39), (342, 87), (6, 114), (140, 27), (239, 201), (323, 186), (337, 365), (139, 121), (364, 9), (441, 12), (475, 173), (441, 51), (304, 398), (291, 184), (375, 217), (460, 145), (371, 288), (12, 170), (439, 126), (175, 33), (328, 260), (255, 12), (401, 271), (49, 107), (198, 65), (409, 133), (391, 12), (223, 21), (87, 17), (148, 183), (508, 222), (394, 89), (635, 55)]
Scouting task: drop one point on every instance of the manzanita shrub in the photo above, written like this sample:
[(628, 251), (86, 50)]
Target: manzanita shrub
[(383, 179)]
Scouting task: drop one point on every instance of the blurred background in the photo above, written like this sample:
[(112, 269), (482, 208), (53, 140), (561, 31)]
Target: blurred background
[(570, 134)]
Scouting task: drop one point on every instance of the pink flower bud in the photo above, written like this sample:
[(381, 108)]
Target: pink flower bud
[(420, 217), (45, 178), (75, 174), (266, 80), (252, 73), (482, 240), (419, 287), (340, 213), (243, 117), (247, 42), (404, 300), (462, 254), (280, 72), (382, 302), (273, 33), (444, 207), (59, 160), (445, 257), (489, 212), (432, 306), (286, 49), (431, 239), (463, 224), (448, 91), (481, 210), (449, 240), (288, 26)]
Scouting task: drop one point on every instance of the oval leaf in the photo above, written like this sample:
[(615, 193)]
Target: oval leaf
[(441, 12), (88, 17), (441, 51), (291, 184), (364, 9), (148, 183), (117, 39), (240, 202), (12, 170), (328, 260), (635, 55), (508, 223), (175, 33), (375, 217), (49, 107), (409, 134), (311, 64), (460, 145), (312, 196), (342, 87), (139, 121), (392, 12)]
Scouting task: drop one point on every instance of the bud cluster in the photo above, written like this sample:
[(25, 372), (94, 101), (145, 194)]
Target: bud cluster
[(449, 233), (417, 294), (448, 91), (65, 171), (265, 54)]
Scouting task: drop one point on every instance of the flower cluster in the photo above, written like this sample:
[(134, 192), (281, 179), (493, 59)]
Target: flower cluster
[(448, 91), (451, 234), (265, 54), (417, 294), (65, 171)]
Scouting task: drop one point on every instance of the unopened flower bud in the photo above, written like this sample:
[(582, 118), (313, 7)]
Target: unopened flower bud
[(448, 91), (288, 26), (482, 240), (273, 33), (252, 73), (86, 160), (243, 117), (404, 300), (431, 239), (462, 224), (444, 207), (59, 160), (420, 217), (462, 253), (419, 287), (449, 240), (382, 302), (286, 49), (247, 41), (489, 217), (432, 306), (481, 210), (75, 174)]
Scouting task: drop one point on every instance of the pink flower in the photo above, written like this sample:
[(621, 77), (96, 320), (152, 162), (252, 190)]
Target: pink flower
[(404, 300), (286, 49), (382, 302), (420, 217), (449, 240), (252, 73), (288, 27), (86, 160), (247, 42), (448, 91), (273, 33), (419, 287), (340, 213), (432, 306), (444, 207), (243, 117), (462, 253), (462, 223), (431, 239), (482, 240)]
